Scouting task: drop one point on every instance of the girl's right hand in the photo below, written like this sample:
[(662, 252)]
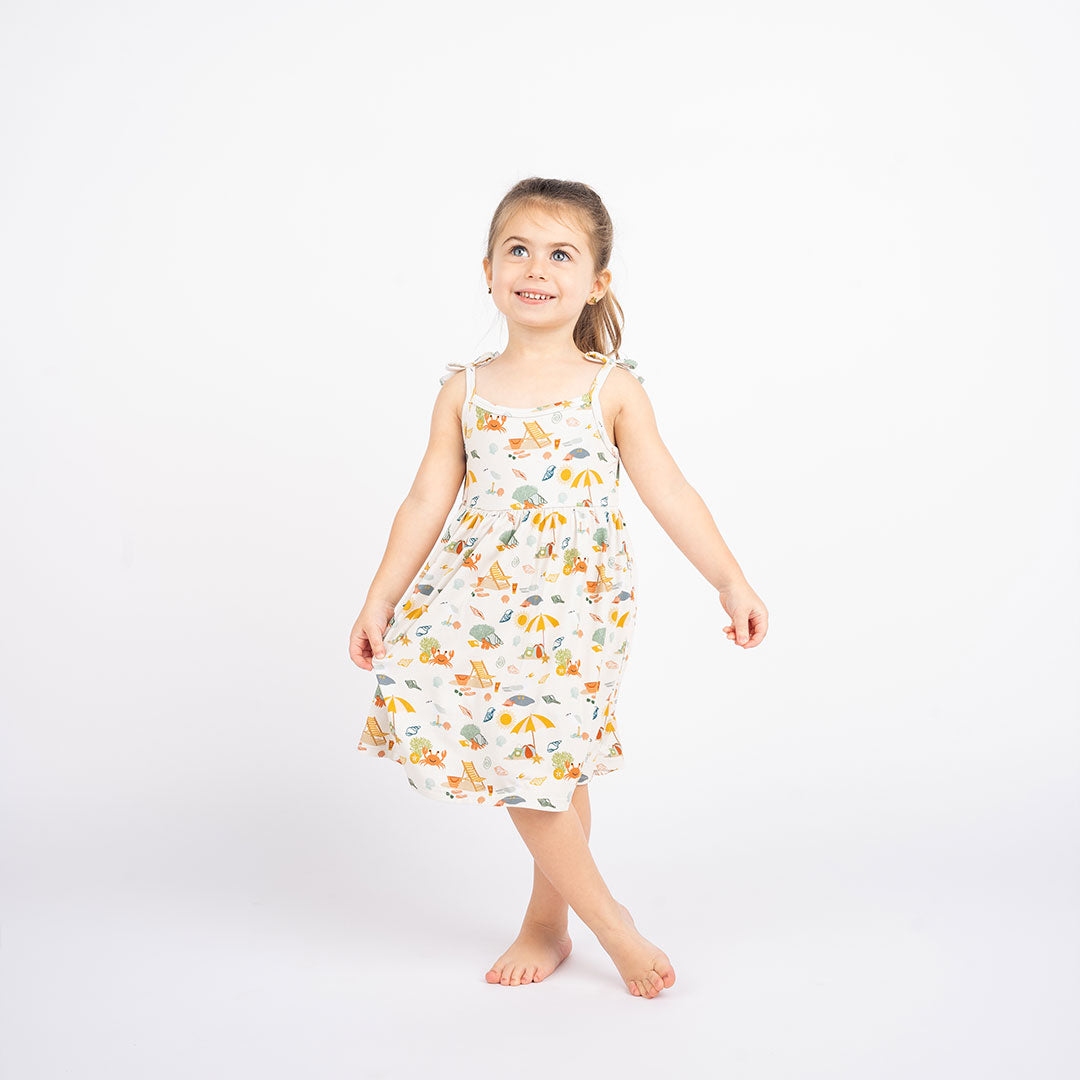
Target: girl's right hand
[(366, 639)]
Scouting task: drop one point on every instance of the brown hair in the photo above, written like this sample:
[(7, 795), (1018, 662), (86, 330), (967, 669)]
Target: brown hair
[(599, 327)]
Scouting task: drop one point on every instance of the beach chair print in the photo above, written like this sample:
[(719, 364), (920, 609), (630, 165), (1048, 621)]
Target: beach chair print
[(496, 576), (473, 776), (477, 675), (535, 436), (603, 581), (378, 736), (480, 674)]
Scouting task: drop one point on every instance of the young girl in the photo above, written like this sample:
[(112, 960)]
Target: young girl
[(499, 661)]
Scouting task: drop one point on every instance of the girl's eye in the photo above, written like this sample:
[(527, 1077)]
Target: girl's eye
[(558, 251)]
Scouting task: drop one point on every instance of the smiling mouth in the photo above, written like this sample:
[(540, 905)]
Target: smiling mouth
[(534, 297)]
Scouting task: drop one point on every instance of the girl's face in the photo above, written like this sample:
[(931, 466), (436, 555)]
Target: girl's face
[(537, 254)]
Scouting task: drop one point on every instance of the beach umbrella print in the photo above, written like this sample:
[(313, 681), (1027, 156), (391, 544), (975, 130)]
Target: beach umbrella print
[(527, 723), (391, 702), (554, 518), (541, 622), (586, 477)]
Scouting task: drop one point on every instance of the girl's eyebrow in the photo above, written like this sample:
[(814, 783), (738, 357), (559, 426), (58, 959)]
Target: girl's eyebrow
[(524, 241)]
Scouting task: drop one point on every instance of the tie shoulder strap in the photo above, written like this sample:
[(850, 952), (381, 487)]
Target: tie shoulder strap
[(629, 365), (610, 365), (453, 366), (466, 366)]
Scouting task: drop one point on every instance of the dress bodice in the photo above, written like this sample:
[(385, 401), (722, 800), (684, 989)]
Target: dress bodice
[(541, 457)]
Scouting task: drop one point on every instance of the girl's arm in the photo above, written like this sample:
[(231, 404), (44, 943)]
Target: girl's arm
[(417, 524), (680, 510)]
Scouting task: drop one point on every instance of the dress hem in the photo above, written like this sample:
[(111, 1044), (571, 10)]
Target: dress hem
[(476, 798)]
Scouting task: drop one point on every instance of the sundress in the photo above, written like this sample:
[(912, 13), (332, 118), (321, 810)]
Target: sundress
[(505, 655)]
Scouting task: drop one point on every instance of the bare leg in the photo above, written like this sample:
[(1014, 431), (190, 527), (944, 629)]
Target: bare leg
[(559, 845), (547, 905), (542, 943)]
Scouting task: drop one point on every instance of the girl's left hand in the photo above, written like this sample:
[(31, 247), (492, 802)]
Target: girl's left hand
[(749, 619)]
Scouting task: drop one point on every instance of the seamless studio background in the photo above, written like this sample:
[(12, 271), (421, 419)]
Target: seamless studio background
[(238, 245)]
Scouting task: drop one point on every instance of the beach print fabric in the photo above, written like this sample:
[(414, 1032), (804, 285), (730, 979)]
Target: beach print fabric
[(504, 656)]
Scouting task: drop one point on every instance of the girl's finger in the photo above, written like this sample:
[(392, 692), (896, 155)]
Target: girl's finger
[(759, 623)]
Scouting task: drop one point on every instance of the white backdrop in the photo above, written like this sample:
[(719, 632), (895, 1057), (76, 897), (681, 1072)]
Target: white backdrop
[(238, 244)]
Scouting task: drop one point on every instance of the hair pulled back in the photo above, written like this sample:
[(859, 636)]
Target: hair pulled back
[(599, 327)]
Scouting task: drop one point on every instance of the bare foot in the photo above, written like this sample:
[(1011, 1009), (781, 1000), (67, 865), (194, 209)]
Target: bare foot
[(535, 953), (644, 968)]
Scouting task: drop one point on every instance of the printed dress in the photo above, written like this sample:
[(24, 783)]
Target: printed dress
[(504, 656)]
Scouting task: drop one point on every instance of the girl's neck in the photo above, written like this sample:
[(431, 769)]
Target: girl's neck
[(530, 359)]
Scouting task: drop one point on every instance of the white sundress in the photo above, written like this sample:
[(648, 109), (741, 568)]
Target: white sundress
[(505, 654)]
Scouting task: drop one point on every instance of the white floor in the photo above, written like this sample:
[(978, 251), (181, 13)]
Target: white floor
[(148, 950)]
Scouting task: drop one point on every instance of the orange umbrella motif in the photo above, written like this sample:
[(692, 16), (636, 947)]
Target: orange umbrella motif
[(586, 477), (541, 622), (392, 702), (413, 611), (554, 518), (527, 724)]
